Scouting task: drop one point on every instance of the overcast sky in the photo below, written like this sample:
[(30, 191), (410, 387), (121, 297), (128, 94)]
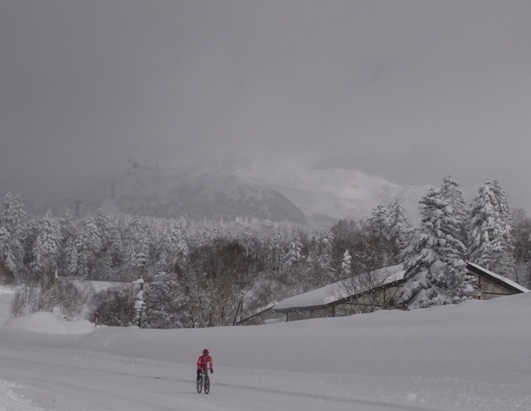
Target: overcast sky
[(408, 90)]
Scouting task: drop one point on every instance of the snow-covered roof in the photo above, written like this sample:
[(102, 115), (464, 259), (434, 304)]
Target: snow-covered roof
[(481, 270), (332, 293), (342, 289)]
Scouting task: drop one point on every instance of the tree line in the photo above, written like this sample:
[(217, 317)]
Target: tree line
[(210, 273)]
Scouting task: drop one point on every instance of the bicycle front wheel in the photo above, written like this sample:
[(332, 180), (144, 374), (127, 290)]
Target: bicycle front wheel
[(199, 384), (207, 384)]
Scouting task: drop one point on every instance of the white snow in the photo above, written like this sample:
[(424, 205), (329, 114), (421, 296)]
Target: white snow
[(50, 323), (341, 289), (472, 356)]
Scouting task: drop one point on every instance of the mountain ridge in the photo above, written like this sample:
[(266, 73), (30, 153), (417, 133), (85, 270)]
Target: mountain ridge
[(314, 197)]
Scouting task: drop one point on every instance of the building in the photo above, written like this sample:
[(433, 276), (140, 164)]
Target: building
[(378, 290), (491, 285)]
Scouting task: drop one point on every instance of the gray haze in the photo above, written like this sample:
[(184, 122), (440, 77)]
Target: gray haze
[(408, 90)]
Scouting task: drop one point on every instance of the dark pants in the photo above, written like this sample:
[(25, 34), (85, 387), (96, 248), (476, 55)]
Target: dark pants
[(198, 373)]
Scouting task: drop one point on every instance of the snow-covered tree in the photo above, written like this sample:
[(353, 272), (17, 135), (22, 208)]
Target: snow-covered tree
[(435, 270), (276, 252), (7, 258), (13, 223), (66, 224), (451, 191), (391, 230), (71, 258), (46, 249), (136, 249), (294, 255), (399, 227), (379, 221), (13, 215), (490, 236), (166, 302), (346, 265), (321, 258), (173, 250), (88, 245)]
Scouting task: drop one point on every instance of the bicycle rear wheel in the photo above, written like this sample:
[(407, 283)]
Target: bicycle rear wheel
[(199, 384), (207, 384)]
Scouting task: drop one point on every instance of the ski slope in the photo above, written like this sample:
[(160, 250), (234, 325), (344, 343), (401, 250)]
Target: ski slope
[(474, 356)]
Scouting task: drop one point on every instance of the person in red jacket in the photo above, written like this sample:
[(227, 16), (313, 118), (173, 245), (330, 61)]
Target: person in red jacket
[(204, 362)]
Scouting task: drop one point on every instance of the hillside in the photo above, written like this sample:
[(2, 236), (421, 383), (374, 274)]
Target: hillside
[(198, 194), (327, 195), (317, 197)]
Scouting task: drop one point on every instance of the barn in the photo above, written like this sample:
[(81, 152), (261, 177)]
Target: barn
[(378, 290)]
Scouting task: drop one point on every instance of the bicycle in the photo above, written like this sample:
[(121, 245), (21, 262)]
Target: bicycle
[(203, 383)]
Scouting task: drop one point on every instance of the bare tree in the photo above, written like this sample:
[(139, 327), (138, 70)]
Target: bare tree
[(369, 291)]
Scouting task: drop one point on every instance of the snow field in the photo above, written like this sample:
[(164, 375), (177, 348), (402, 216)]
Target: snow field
[(473, 356)]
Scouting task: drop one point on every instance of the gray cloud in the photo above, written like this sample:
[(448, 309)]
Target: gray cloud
[(408, 90)]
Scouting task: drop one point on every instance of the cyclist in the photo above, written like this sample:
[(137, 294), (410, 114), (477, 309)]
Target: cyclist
[(204, 362)]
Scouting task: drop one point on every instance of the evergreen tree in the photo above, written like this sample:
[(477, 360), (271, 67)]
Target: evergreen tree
[(435, 271), (166, 302), (392, 231), (490, 239), (399, 227), (276, 252), (136, 249), (451, 191), (66, 225), (13, 215), (68, 233), (13, 221), (173, 250), (346, 265), (179, 250), (88, 245), (71, 257), (7, 259), (46, 249), (294, 255), (321, 258), (325, 258), (379, 221)]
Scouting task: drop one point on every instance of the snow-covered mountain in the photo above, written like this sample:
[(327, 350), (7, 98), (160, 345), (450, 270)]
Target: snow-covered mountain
[(328, 195), (318, 197), (197, 194)]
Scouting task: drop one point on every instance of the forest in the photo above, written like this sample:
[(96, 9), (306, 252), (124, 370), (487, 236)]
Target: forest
[(170, 273)]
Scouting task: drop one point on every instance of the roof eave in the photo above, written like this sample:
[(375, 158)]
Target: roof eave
[(339, 301), (477, 270)]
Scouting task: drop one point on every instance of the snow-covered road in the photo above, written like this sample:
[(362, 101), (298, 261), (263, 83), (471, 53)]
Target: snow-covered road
[(62, 379), (74, 381)]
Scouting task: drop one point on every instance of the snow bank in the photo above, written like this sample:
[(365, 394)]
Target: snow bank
[(10, 401), (50, 323), (41, 322), (6, 290)]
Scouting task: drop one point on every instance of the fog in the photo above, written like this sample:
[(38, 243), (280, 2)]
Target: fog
[(408, 90)]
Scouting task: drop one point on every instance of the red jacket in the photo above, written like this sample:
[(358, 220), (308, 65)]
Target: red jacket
[(203, 362)]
